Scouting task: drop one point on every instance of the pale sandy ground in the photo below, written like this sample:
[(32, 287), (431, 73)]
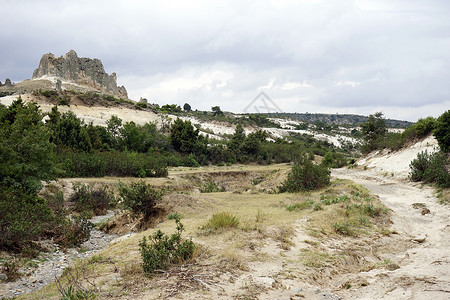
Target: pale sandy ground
[(397, 163), (424, 271), (96, 115)]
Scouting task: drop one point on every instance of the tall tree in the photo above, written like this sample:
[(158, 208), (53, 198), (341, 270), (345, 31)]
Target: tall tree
[(183, 136), (442, 131), (374, 129)]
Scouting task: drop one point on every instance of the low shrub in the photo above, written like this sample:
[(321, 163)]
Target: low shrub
[(74, 232), (111, 163), (140, 198), (160, 250), (305, 176), (97, 200), (211, 187), (11, 269), (431, 168), (334, 160)]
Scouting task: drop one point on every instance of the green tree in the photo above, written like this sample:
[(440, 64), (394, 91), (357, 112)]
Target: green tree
[(68, 130), (237, 140), (26, 159), (252, 144), (183, 136), (132, 137), (216, 111), (113, 125), (374, 130), (187, 107), (442, 131), (26, 154)]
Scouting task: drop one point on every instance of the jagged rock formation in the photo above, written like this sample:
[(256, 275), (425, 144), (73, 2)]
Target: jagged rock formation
[(8, 82), (83, 71)]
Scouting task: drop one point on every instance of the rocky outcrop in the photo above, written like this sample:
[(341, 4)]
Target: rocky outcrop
[(8, 82), (83, 71)]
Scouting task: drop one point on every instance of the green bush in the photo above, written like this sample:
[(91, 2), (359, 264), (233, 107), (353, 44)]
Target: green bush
[(160, 250), (431, 168), (334, 160), (425, 126), (86, 197), (23, 218), (140, 198), (305, 176)]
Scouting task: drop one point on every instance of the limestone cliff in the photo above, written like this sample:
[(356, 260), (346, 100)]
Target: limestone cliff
[(83, 71)]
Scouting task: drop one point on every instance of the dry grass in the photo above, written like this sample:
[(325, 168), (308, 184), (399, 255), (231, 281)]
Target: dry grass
[(265, 233)]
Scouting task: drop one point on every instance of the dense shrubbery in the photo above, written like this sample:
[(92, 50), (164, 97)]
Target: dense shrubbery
[(160, 250), (111, 163), (334, 160), (25, 159), (23, 218), (431, 168), (377, 138), (305, 176), (86, 197)]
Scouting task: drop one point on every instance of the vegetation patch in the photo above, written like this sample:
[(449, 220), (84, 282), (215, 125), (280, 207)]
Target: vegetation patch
[(305, 176), (140, 198), (431, 168), (160, 250), (221, 221), (87, 197)]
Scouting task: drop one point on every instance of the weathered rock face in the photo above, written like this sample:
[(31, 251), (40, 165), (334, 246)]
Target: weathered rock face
[(84, 71), (8, 82)]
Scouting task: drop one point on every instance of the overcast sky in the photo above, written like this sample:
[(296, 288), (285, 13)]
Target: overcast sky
[(334, 56)]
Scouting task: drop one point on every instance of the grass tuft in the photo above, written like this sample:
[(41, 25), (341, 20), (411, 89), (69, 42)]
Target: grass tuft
[(221, 220)]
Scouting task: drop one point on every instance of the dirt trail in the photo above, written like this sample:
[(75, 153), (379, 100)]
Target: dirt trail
[(424, 270)]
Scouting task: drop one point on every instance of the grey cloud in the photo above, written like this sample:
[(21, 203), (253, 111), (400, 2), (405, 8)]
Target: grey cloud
[(394, 53)]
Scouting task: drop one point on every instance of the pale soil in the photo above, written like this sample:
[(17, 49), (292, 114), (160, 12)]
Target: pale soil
[(98, 115), (424, 271), (396, 163)]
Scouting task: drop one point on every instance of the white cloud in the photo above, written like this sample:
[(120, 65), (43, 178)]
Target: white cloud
[(347, 83)]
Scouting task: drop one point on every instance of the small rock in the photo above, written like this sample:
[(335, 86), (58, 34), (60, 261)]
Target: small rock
[(425, 211), (265, 281), (420, 238), (3, 277)]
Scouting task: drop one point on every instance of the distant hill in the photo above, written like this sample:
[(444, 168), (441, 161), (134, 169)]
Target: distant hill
[(340, 119)]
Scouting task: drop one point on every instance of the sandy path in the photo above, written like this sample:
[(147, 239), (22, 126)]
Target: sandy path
[(424, 270)]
